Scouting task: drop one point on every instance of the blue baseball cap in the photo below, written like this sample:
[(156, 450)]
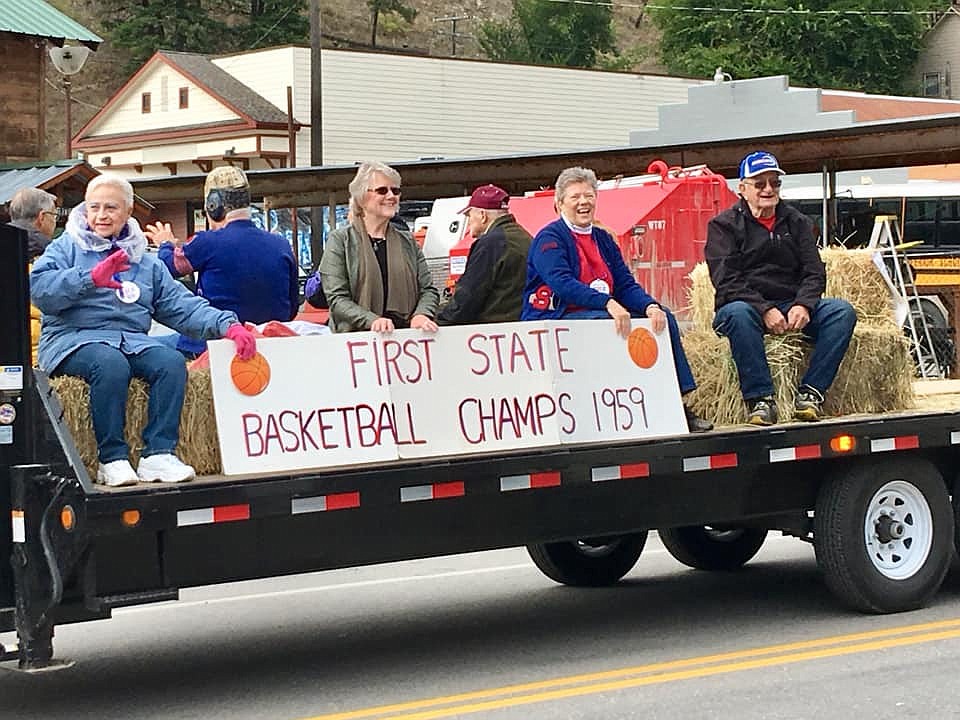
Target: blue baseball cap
[(757, 163)]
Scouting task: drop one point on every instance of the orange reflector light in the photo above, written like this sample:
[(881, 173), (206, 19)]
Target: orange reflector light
[(67, 518), (843, 443), (131, 517)]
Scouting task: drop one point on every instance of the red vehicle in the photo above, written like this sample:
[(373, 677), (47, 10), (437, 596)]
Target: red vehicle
[(659, 220)]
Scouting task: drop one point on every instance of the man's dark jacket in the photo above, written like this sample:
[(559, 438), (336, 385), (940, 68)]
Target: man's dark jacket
[(763, 268), (491, 287), (36, 241)]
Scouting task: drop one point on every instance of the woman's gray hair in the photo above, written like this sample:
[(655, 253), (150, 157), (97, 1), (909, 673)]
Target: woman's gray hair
[(361, 181), (29, 202), (572, 175), (121, 184)]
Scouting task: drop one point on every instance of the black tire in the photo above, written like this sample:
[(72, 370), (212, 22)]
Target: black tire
[(591, 562), (883, 534), (713, 548)]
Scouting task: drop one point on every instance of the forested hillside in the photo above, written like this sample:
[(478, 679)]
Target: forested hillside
[(869, 45)]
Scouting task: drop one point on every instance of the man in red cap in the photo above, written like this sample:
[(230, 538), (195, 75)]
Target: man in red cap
[(491, 287)]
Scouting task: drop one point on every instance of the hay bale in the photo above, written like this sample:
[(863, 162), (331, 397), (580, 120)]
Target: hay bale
[(198, 445), (851, 276), (875, 376)]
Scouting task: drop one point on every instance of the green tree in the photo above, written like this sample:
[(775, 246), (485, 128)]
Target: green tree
[(271, 22), (145, 26), (845, 44), (386, 7), (550, 33)]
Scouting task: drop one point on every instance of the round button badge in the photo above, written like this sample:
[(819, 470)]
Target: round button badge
[(128, 292), (8, 413)]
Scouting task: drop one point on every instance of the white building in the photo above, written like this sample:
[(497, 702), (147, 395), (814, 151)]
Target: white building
[(183, 113)]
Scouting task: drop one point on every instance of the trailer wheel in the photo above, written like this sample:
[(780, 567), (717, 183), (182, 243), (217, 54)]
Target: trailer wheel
[(883, 533), (712, 548), (590, 562)]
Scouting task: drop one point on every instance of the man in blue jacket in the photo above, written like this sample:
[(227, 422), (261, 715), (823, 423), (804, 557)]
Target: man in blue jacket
[(575, 270), (239, 267)]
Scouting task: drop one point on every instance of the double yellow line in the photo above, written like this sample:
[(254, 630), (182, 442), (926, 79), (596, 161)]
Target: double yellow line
[(655, 673)]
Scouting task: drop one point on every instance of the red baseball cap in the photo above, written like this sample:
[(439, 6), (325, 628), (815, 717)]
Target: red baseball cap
[(488, 197)]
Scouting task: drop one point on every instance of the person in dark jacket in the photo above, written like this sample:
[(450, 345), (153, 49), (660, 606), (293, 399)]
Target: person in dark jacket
[(491, 286), (35, 211), (769, 278), (239, 267), (575, 270)]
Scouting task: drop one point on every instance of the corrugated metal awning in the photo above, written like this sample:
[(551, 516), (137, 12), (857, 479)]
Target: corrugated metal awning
[(35, 17), (37, 176)]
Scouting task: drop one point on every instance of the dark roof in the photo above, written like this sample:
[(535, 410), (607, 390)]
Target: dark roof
[(35, 17), (35, 175), (224, 85)]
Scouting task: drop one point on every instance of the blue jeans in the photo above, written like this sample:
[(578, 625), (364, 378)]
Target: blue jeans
[(684, 374), (108, 371), (830, 328)]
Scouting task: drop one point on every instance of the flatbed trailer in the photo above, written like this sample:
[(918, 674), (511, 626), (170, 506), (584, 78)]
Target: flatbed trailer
[(871, 492)]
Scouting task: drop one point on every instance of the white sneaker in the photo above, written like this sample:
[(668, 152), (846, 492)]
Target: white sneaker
[(116, 474), (165, 468)]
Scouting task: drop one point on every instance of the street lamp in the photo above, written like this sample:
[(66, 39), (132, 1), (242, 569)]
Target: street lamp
[(68, 60)]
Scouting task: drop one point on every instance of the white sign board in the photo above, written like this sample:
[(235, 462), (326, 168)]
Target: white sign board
[(333, 400)]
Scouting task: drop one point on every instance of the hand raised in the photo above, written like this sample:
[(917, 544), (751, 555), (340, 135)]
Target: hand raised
[(103, 272)]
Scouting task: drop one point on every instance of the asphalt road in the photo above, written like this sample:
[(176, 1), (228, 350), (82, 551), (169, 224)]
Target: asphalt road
[(487, 636)]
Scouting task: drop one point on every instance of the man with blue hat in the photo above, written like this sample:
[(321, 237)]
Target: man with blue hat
[(769, 278)]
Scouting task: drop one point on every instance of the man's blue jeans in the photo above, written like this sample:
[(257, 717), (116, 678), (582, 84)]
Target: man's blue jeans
[(108, 372), (830, 328), (684, 374)]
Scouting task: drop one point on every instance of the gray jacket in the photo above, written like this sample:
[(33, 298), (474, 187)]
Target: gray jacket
[(339, 269)]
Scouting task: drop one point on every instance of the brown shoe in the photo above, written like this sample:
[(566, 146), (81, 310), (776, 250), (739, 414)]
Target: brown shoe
[(696, 423)]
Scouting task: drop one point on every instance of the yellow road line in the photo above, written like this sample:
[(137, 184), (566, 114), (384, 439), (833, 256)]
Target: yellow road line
[(590, 683)]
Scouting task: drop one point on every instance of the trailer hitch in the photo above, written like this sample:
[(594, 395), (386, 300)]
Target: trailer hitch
[(48, 553)]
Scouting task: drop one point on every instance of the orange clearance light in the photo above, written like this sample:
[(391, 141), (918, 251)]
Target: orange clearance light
[(67, 518), (843, 443), (131, 518)]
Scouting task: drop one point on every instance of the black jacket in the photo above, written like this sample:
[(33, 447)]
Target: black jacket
[(36, 241), (491, 287), (747, 262)]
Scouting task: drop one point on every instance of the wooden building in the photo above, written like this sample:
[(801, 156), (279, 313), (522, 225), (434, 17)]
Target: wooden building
[(27, 29)]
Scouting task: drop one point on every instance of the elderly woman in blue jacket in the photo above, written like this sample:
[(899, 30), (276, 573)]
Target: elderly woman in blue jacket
[(98, 291), (575, 270)]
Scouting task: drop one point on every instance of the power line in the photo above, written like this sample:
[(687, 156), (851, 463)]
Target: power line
[(751, 11)]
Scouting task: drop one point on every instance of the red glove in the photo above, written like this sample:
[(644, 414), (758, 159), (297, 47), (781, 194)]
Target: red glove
[(244, 339), (103, 272)]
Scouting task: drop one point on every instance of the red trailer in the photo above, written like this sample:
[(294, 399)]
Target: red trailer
[(659, 221)]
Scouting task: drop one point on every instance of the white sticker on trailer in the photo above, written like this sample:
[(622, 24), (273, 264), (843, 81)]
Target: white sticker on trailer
[(11, 377), (19, 527)]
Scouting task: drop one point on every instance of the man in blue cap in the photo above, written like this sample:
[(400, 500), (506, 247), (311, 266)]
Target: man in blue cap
[(769, 278)]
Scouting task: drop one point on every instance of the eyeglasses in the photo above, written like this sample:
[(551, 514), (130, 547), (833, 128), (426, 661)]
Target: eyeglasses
[(52, 213), (774, 184), (383, 190)]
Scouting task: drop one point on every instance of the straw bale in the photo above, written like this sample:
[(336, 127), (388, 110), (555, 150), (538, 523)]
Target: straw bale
[(851, 276), (875, 376), (198, 445)]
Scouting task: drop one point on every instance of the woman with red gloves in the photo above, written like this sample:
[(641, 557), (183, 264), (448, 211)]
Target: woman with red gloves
[(98, 292)]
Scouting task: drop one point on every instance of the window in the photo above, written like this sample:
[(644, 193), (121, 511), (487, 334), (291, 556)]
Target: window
[(145, 103), (931, 84), (184, 98)]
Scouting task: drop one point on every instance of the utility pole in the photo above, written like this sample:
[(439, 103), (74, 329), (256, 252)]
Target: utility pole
[(316, 129), (453, 30)]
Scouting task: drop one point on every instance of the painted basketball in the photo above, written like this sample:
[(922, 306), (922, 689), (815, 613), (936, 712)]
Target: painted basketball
[(642, 346), (252, 376)]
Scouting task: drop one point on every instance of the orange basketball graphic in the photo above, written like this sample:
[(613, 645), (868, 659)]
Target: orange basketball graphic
[(642, 346), (252, 376)]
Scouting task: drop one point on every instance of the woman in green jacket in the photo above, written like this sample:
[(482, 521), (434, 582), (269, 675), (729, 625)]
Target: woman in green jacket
[(374, 275)]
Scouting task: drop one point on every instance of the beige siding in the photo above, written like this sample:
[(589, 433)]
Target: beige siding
[(941, 54), (162, 82), (395, 107)]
